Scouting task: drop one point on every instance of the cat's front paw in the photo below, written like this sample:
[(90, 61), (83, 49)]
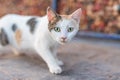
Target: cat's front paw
[(55, 70)]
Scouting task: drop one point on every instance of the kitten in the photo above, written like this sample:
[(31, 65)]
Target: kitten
[(42, 34)]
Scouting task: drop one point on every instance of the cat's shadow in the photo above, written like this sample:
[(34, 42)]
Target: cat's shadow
[(28, 58), (34, 60)]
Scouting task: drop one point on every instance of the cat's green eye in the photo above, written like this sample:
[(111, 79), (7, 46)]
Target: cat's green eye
[(70, 29), (57, 29)]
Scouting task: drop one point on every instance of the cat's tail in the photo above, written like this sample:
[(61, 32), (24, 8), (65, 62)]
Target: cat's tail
[(3, 38)]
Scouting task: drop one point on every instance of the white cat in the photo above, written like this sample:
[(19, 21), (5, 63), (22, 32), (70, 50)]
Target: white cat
[(42, 34)]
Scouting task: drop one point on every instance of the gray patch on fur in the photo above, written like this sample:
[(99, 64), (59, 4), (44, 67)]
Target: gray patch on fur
[(3, 38), (14, 27), (32, 24)]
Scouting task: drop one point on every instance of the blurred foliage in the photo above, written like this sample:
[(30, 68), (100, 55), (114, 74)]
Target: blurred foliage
[(24, 7), (98, 15)]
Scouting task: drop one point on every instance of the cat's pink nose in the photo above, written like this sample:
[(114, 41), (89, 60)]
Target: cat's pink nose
[(63, 38)]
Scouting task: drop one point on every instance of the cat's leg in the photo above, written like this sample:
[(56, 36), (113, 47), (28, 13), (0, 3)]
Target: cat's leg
[(48, 57), (15, 51), (58, 61), (54, 51)]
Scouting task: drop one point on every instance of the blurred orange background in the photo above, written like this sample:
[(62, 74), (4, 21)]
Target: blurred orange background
[(98, 15), (24, 7)]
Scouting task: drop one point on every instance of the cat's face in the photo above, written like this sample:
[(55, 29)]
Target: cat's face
[(63, 27), (64, 30)]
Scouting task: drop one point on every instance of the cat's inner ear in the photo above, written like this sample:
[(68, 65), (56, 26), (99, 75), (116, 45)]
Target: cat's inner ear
[(52, 15), (76, 15)]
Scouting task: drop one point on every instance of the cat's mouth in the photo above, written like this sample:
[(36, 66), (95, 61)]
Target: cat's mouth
[(62, 42)]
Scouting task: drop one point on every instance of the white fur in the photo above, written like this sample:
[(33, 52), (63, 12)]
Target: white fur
[(42, 40)]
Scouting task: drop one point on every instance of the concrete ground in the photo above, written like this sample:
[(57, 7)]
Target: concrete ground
[(85, 59)]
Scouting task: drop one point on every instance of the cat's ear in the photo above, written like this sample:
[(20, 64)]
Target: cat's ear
[(51, 14), (76, 15)]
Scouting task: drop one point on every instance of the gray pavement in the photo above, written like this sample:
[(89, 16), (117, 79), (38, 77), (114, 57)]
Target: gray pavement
[(85, 59)]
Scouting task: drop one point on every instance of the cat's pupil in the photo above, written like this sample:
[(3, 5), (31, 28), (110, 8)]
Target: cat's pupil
[(57, 29), (70, 29)]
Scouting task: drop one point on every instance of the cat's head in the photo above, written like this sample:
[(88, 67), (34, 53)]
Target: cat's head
[(63, 27)]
